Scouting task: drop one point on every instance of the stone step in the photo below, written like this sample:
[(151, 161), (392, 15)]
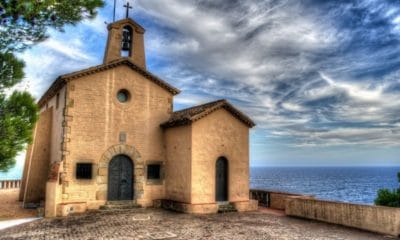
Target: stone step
[(119, 205), (125, 202), (226, 208)]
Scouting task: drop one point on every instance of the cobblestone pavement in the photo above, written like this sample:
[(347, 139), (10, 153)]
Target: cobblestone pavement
[(160, 224), (10, 208)]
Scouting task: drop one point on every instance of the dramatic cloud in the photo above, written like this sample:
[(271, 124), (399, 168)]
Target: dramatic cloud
[(316, 72), (312, 74)]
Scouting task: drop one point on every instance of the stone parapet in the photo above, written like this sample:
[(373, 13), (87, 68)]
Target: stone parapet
[(274, 199), (10, 184), (371, 218)]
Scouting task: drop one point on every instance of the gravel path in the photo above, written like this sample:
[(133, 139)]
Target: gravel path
[(160, 224)]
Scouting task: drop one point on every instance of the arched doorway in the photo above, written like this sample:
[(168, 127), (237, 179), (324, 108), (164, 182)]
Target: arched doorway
[(221, 180), (120, 179)]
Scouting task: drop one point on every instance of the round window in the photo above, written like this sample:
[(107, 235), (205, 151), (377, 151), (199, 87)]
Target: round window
[(123, 96)]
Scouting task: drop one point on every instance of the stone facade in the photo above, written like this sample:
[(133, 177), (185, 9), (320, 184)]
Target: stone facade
[(90, 124)]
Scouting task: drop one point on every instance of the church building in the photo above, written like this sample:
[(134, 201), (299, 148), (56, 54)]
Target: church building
[(109, 135)]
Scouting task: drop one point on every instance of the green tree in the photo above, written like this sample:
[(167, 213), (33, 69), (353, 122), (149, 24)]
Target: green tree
[(389, 198), (18, 117), (22, 24)]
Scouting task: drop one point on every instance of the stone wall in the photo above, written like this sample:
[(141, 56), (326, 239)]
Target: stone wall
[(57, 104), (274, 199), (219, 135), (38, 163), (372, 218), (57, 127)]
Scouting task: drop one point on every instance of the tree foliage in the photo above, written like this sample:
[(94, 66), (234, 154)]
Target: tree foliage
[(22, 24), (18, 116), (11, 70), (389, 198)]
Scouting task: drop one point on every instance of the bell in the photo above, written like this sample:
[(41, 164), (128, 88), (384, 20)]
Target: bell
[(126, 41), (126, 46)]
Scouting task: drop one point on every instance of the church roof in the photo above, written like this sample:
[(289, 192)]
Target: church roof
[(189, 115), (63, 79)]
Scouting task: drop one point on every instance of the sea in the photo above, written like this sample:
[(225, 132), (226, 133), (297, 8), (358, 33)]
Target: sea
[(345, 184)]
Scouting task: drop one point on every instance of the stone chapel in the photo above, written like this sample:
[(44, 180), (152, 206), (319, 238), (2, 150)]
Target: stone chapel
[(109, 135)]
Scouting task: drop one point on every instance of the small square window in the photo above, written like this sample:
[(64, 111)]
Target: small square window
[(154, 171), (84, 171)]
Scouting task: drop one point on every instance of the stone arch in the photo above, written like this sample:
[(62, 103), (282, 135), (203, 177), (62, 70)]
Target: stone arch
[(134, 155)]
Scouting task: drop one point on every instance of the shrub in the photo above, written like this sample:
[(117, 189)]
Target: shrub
[(389, 198)]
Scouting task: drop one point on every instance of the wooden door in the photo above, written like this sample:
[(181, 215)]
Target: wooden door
[(221, 182), (120, 179)]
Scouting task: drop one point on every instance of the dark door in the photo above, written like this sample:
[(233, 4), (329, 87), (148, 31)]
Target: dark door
[(120, 179), (221, 183)]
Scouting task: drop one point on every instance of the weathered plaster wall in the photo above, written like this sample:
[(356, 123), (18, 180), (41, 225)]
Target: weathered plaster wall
[(274, 199), (178, 166), (25, 172), (39, 160), (372, 218), (95, 120), (53, 191), (57, 130), (55, 135), (219, 134), (278, 199)]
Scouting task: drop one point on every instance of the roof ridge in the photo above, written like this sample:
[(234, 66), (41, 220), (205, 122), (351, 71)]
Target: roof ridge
[(192, 114), (201, 105)]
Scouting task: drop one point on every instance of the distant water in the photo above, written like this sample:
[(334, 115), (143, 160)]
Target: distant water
[(14, 173), (346, 184)]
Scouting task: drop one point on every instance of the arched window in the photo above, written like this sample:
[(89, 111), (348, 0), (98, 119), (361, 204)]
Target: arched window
[(127, 43)]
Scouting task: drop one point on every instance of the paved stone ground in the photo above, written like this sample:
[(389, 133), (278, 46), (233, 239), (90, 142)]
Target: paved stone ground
[(10, 208), (160, 224)]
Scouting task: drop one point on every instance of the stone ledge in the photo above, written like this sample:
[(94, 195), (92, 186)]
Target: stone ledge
[(186, 207)]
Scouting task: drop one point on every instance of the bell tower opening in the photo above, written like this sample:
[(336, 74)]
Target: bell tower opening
[(126, 44), (125, 40)]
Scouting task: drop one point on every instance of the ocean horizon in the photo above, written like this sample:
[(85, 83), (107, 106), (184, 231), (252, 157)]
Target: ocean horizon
[(346, 184)]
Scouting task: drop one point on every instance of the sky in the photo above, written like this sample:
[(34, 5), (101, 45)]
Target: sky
[(320, 78)]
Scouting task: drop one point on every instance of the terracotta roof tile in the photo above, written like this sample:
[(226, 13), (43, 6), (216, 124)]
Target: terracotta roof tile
[(189, 115)]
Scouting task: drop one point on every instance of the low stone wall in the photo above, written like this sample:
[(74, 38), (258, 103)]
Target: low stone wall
[(10, 184), (372, 218), (273, 199)]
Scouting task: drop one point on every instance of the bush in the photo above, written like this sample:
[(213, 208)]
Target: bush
[(389, 198)]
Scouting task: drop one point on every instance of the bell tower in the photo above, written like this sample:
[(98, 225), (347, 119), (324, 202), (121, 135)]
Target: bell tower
[(125, 40)]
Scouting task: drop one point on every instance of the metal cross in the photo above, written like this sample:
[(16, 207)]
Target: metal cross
[(127, 6)]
